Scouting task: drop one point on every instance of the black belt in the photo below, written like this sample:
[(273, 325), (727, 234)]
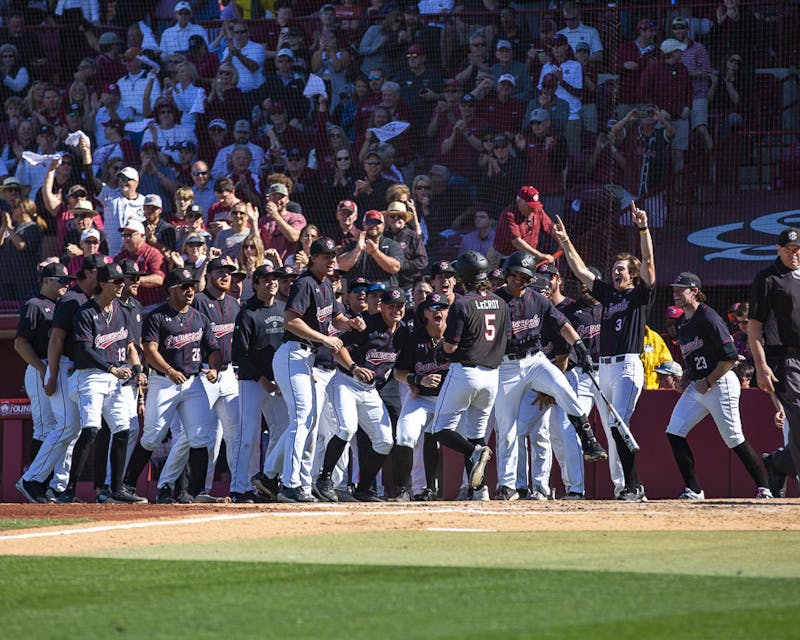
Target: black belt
[(164, 375), (610, 359), (520, 356)]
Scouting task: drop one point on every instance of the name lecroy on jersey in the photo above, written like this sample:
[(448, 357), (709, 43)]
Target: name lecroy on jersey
[(182, 339)]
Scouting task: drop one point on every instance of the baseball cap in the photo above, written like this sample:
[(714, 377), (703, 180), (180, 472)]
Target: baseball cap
[(153, 200), (219, 263), (373, 214), (679, 21), (133, 225), (540, 283), (179, 276), (279, 187), (286, 271), (416, 48), (194, 237), (194, 211), (242, 125), (358, 284), (110, 273), (443, 266), (529, 195), (130, 173), (348, 205), (183, 6), (687, 279), (548, 269), (94, 261), (45, 128), (550, 80), (789, 237), (322, 245), (503, 44), (393, 295), (265, 270), (582, 46), (673, 312), (90, 233), (507, 77), (671, 44), (130, 268), (539, 115), (376, 287), (55, 270), (111, 87), (435, 301), (670, 368), (647, 23), (109, 38), (285, 52), (218, 122)]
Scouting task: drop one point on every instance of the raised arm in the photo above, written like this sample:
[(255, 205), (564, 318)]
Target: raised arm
[(571, 254), (648, 271)]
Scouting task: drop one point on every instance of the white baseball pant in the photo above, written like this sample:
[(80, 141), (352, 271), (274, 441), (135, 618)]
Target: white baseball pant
[(466, 392), (44, 420), (326, 428), (358, 404), (721, 401), (100, 396), (130, 393), (622, 384)]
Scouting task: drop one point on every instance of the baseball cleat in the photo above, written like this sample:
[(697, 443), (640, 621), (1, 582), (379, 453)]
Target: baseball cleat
[(481, 494), (426, 495), (344, 495), (505, 493), (33, 491), (267, 486), (323, 488), (574, 495), (593, 450), (241, 498), (67, 496), (206, 498), (523, 493), (775, 479), (164, 495), (539, 496), (367, 496), (688, 494), (404, 495), (123, 496), (479, 459), (633, 495), (288, 494), (763, 492)]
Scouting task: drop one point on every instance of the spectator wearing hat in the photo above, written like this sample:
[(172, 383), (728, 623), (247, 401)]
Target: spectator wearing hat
[(520, 226), (370, 191), (286, 85), (569, 77), (202, 189), (505, 171), (166, 133), (241, 138), (149, 260), (654, 353), (110, 111), (696, 59), (20, 248), (373, 256), (507, 65), (109, 65), (503, 109), (88, 244), (280, 228), (669, 375), (175, 39), (121, 206), (666, 83), (672, 316), (545, 153), (187, 155), (133, 84), (158, 232), (247, 57), (34, 175), (217, 139), (397, 216), (481, 238), (546, 99), (459, 143), (631, 59), (575, 31), (346, 230), (79, 216)]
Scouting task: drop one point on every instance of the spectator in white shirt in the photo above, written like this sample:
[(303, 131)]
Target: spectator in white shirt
[(246, 56), (569, 74), (175, 39), (110, 98), (241, 137), (132, 86), (577, 32), (167, 135), (33, 175), (189, 97)]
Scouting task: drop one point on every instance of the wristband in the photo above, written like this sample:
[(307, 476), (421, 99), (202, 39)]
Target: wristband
[(413, 380), (137, 369), (643, 229), (352, 367)]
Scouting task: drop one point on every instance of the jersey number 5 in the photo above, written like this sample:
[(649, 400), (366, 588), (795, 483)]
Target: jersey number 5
[(489, 330)]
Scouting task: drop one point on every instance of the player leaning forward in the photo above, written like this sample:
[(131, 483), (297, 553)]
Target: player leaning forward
[(625, 304), (710, 386)]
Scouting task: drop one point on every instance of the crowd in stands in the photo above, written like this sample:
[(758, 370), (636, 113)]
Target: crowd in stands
[(402, 130)]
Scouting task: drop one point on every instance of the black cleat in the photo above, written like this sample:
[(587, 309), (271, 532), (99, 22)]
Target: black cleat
[(265, 485), (323, 488), (164, 495), (775, 479)]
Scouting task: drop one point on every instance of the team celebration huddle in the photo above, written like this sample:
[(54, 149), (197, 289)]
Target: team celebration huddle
[(313, 380)]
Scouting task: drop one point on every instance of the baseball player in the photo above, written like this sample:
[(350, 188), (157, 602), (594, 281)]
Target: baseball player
[(177, 339), (365, 363), (474, 342), (709, 386), (33, 334), (311, 315), (625, 303), (417, 368), (256, 337), (105, 359), (525, 366), (221, 309), (55, 454)]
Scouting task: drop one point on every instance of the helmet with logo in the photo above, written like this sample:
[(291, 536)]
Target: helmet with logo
[(471, 267), (521, 261)]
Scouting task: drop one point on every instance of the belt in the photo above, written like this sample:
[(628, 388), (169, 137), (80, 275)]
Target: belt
[(610, 359), (520, 356), (164, 375), (348, 373)]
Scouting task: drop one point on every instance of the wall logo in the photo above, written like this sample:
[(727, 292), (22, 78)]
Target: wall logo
[(720, 238), (14, 410)]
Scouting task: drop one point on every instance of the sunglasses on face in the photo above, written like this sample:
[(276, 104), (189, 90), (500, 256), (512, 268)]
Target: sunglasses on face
[(343, 159), (186, 286), (248, 246), (194, 244), (125, 179), (375, 77), (199, 173), (239, 31), (77, 194), (61, 281)]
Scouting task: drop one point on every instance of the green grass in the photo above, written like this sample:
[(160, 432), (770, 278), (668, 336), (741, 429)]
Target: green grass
[(103, 598), (7, 524)]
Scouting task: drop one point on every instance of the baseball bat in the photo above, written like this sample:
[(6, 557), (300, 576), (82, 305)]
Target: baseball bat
[(622, 427)]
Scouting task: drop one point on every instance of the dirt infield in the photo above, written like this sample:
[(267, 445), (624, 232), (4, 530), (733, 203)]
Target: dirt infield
[(124, 526)]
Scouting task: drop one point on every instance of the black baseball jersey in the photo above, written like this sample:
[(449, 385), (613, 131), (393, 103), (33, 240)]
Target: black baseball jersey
[(585, 319), (35, 319), (775, 302), (101, 337), (376, 347), (64, 314), (416, 356), (184, 339), (553, 343), (528, 316), (624, 317), (314, 302), (705, 341), (256, 336), (222, 313), (133, 308), (478, 323)]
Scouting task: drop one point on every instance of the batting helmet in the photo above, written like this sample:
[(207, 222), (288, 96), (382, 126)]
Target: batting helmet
[(522, 262), (471, 267)]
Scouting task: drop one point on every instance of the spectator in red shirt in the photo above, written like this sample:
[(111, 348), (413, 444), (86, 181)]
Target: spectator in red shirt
[(460, 143), (109, 67), (519, 227), (630, 61), (149, 260), (546, 159), (503, 110), (667, 84), (225, 191), (280, 228)]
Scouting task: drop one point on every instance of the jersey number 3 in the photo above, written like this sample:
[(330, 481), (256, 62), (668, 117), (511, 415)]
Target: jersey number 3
[(489, 330)]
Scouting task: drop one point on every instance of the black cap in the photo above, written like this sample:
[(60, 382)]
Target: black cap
[(55, 270), (434, 301), (286, 271), (548, 268), (110, 273), (323, 245), (358, 283), (789, 237), (393, 295), (265, 270), (442, 266), (687, 279), (130, 268), (178, 277), (94, 261), (540, 283), (45, 128), (194, 211), (219, 263)]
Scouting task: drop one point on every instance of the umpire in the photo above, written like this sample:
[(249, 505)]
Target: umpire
[(775, 304)]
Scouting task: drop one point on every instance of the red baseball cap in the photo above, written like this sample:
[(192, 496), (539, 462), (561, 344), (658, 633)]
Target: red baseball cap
[(530, 196), (674, 312), (373, 214), (349, 205)]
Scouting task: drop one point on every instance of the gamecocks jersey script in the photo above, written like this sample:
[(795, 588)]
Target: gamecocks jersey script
[(107, 333), (477, 323), (376, 347), (184, 339), (528, 316), (705, 340), (624, 317)]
